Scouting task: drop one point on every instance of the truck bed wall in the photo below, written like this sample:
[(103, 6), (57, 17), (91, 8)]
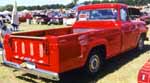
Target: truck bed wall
[(41, 33)]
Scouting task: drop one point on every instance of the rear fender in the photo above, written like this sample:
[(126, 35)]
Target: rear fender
[(91, 45)]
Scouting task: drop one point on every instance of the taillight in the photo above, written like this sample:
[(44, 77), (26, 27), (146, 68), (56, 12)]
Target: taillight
[(31, 49), (23, 47), (16, 46), (41, 50), (143, 77)]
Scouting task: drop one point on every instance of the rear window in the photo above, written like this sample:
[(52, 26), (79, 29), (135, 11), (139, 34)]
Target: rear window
[(101, 14)]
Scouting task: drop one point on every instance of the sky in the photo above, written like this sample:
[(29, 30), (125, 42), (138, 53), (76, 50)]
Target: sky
[(36, 2)]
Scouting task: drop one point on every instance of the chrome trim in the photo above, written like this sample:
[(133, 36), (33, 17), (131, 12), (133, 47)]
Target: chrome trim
[(42, 73), (28, 37)]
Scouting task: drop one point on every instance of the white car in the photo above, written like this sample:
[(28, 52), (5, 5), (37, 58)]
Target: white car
[(69, 21)]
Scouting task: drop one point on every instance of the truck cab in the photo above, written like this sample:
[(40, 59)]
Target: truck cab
[(112, 16)]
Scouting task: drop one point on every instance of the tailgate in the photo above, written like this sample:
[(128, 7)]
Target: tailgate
[(29, 49)]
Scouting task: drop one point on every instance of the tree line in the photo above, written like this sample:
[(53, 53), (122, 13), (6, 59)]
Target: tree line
[(72, 4)]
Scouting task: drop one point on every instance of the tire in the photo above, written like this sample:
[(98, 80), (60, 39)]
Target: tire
[(40, 23), (94, 63), (140, 45)]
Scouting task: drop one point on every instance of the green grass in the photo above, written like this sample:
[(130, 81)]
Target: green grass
[(121, 69), (26, 27)]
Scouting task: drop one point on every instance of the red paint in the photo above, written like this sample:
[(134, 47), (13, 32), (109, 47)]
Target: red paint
[(68, 48), (144, 73), (102, 6), (24, 17)]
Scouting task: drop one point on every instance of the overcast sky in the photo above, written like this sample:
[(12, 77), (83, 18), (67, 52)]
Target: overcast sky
[(36, 2)]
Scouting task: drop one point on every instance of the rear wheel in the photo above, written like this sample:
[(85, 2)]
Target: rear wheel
[(94, 63)]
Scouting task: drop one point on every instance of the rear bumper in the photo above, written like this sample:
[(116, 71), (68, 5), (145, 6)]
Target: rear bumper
[(42, 73)]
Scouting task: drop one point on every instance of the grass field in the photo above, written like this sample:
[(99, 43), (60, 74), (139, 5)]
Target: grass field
[(26, 27), (121, 69)]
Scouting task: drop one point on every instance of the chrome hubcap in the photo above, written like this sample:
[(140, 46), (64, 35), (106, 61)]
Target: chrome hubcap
[(94, 63)]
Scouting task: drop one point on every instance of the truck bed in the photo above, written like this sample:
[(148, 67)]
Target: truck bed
[(41, 47), (53, 32)]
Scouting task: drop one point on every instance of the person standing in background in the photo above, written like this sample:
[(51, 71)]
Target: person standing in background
[(3, 31), (1, 26), (15, 17)]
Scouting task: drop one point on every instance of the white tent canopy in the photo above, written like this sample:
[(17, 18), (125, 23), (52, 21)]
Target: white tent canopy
[(25, 11), (6, 12)]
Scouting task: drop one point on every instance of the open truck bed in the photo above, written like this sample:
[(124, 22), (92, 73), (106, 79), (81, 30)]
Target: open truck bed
[(43, 52)]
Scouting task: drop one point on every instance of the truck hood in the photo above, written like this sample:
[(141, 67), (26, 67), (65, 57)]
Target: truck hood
[(96, 24)]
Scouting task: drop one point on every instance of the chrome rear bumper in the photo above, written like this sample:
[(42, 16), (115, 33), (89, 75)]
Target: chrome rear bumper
[(42, 73)]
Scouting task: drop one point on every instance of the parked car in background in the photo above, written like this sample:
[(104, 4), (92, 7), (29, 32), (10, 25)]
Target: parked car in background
[(136, 14), (70, 19), (145, 18), (144, 73), (56, 18), (24, 17), (41, 19)]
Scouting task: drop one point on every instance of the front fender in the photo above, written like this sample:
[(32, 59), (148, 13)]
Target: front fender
[(143, 31)]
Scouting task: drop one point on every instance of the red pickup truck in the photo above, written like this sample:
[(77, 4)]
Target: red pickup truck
[(102, 31)]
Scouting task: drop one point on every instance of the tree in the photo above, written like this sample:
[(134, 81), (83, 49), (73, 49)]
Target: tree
[(9, 7), (75, 2), (135, 2), (20, 8), (70, 5)]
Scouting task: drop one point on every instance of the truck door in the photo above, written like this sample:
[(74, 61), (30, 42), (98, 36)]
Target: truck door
[(135, 34), (126, 27)]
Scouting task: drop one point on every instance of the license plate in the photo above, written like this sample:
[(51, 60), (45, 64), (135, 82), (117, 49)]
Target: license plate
[(28, 65)]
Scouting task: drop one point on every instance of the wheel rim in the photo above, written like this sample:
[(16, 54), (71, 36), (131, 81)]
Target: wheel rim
[(94, 63), (141, 44)]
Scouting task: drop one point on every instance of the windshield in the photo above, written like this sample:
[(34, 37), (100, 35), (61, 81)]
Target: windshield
[(100, 14)]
